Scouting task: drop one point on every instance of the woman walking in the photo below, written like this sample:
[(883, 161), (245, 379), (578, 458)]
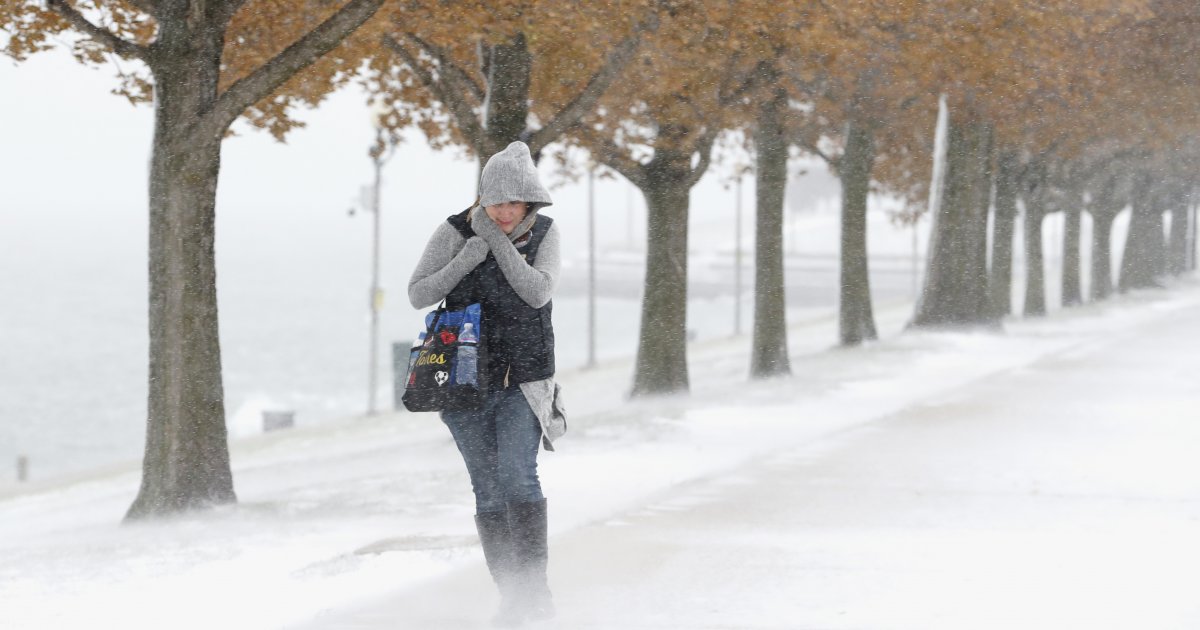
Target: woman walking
[(502, 254)]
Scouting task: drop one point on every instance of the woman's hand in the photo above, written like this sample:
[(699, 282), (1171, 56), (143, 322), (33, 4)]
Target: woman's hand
[(486, 228), (475, 250)]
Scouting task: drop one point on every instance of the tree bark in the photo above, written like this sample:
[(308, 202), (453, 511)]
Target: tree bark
[(856, 321), (508, 68), (1192, 244), (666, 182), (1104, 209), (1177, 253), (186, 463), (1142, 261), (1102, 284), (1035, 272), (662, 340), (1004, 219), (956, 283), (769, 350), (1072, 294)]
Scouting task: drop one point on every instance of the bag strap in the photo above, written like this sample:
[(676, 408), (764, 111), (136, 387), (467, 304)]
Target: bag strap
[(437, 315)]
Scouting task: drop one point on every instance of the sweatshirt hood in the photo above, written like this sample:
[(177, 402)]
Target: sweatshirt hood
[(511, 175)]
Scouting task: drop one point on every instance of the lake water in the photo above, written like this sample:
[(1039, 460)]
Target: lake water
[(294, 325)]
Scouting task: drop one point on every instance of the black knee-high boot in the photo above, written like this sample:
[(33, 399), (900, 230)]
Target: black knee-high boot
[(527, 522), (500, 553)]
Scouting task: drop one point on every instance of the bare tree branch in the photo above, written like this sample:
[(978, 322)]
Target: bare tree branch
[(447, 67), (462, 111), (757, 77), (704, 146), (149, 7), (609, 154), (1103, 162), (818, 85), (122, 47), (587, 98), (267, 78), (812, 148)]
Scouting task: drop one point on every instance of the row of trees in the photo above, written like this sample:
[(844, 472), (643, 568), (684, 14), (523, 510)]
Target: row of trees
[(1056, 106)]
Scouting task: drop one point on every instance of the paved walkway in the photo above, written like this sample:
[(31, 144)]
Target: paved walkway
[(1061, 495)]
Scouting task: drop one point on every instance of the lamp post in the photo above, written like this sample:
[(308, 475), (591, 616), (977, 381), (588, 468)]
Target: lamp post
[(591, 361), (379, 154), (737, 255), (916, 263)]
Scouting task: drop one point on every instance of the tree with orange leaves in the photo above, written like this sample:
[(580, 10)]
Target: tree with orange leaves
[(994, 100), (859, 93), (203, 65), (1154, 57), (657, 128), (482, 74)]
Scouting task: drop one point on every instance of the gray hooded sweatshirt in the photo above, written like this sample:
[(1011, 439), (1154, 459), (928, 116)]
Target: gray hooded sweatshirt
[(508, 176)]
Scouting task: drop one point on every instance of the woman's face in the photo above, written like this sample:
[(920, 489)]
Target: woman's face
[(507, 215)]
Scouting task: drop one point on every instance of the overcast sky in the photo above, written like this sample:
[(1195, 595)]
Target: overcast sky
[(76, 154), (73, 180)]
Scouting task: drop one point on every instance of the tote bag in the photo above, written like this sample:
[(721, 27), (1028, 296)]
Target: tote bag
[(447, 367)]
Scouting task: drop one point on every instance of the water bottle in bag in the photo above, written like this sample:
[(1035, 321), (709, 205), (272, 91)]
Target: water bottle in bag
[(465, 372)]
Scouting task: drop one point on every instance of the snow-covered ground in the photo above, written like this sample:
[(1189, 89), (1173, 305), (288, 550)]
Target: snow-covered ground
[(1045, 477)]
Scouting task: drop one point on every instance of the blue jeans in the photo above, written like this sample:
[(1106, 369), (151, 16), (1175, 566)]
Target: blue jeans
[(499, 443)]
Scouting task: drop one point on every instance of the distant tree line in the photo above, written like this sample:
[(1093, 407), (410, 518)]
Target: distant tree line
[(1059, 106)]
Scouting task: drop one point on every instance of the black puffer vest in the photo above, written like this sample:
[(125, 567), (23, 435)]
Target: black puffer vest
[(519, 337)]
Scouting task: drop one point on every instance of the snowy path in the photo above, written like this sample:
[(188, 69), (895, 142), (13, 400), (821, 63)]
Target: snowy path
[(1036, 478), (1063, 493)]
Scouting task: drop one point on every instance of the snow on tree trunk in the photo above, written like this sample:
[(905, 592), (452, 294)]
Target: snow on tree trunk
[(769, 355), (1142, 262), (941, 141), (1004, 219), (1072, 294), (856, 321), (186, 463), (956, 281), (662, 339)]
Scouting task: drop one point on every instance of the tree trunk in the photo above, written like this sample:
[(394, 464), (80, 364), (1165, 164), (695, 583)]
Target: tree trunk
[(1141, 264), (1192, 244), (1102, 284), (956, 281), (1177, 254), (186, 463), (769, 350), (1104, 209), (662, 340), (1035, 272), (508, 68), (1000, 278), (856, 322), (1072, 294)]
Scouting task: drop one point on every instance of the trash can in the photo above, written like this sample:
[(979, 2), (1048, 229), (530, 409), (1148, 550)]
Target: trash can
[(275, 420)]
